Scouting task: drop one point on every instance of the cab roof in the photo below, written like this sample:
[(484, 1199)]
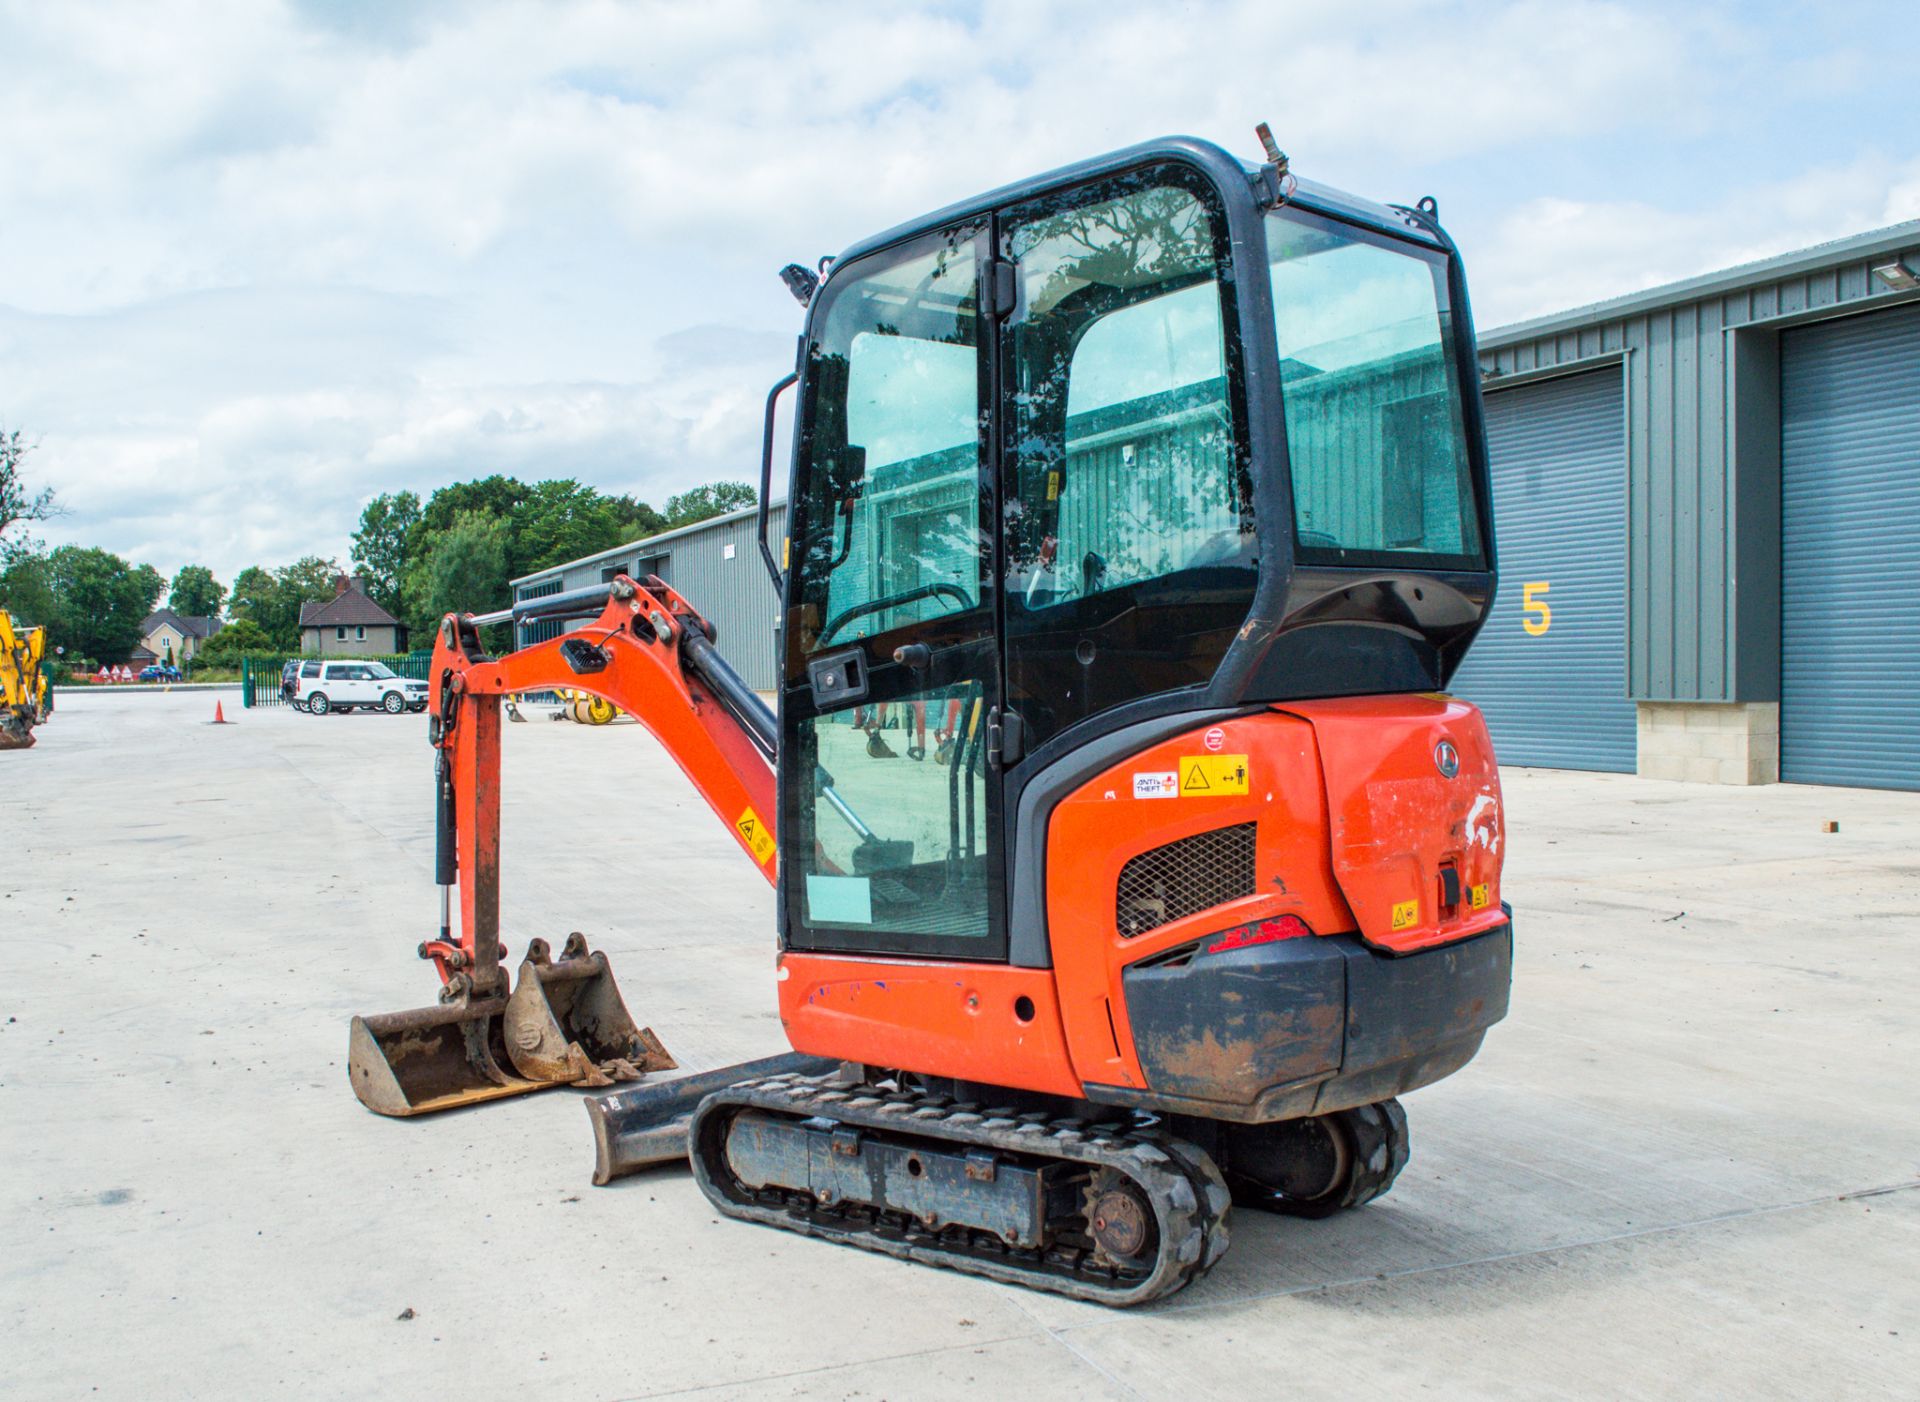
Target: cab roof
[(1224, 167)]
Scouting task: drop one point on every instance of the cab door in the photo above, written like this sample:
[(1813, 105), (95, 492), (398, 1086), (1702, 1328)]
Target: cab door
[(890, 830)]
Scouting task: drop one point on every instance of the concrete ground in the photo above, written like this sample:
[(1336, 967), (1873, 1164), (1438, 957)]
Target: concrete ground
[(1684, 1165)]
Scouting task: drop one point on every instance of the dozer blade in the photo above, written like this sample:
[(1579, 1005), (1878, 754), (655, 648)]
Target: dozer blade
[(647, 1125), (567, 1023), (435, 1058)]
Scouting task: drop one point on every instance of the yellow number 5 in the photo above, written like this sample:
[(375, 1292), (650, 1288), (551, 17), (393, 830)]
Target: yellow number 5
[(1533, 603)]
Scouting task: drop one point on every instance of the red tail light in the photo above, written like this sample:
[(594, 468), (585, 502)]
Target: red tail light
[(1281, 927)]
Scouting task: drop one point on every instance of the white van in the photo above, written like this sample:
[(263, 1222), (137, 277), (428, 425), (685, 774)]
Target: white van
[(342, 686)]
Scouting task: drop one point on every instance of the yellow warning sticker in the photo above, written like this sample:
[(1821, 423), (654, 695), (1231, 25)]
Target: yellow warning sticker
[(1478, 896), (754, 833), (1406, 914), (1213, 775), (1053, 486)]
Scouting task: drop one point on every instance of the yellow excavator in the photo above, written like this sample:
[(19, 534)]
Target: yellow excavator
[(25, 698)]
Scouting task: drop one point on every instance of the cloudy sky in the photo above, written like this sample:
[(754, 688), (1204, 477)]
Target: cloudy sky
[(259, 261)]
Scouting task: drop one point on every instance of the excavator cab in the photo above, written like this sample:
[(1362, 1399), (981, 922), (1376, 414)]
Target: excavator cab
[(1158, 437)]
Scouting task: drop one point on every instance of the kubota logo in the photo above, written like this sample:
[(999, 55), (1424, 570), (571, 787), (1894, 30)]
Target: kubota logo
[(1446, 759)]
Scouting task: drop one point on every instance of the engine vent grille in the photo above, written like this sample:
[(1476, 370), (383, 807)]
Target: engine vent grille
[(1193, 874)]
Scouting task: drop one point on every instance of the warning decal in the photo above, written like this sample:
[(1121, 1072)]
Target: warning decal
[(1213, 776), (1406, 914), (1477, 896), (754, 833), (1163, 785)]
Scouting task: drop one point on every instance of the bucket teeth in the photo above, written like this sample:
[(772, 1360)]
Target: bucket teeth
[(566, 1022)]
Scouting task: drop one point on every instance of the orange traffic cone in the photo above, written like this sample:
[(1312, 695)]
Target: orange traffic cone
[(219, 715)]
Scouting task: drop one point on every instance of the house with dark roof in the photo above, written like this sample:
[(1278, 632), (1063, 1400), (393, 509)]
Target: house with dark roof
[(166, 636), (349, 624)]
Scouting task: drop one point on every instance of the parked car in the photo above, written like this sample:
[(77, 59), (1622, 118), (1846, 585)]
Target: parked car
[(159, 672), (290, 684), (344, 686)]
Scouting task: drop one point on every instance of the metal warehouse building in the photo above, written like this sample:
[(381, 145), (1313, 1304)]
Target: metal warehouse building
[(1707, 503)]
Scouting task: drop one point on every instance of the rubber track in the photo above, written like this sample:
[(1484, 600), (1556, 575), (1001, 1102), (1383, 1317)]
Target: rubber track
[(1188, 1196)]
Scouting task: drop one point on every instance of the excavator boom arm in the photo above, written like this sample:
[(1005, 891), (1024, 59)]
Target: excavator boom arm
[(648, 652)]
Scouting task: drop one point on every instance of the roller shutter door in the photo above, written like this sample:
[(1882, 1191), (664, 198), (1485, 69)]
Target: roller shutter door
[(1850, 551), (1552, 679)]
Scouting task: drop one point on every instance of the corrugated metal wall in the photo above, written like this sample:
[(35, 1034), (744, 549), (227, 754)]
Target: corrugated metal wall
[(1552, 679), (1690, 493), (734, 593), (1850, 480)]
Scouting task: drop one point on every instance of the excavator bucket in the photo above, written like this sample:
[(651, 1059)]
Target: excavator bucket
[(434, 1058), (567, 1023), (16, 731)]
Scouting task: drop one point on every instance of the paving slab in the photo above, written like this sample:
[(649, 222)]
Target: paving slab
[(1688, 1162)]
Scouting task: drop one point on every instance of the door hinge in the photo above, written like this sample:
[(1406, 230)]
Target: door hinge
[(1005, 737), (997, 288)]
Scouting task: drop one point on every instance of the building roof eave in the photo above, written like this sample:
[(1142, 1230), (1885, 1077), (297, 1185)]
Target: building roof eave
[(661, 538), (1895, 238)]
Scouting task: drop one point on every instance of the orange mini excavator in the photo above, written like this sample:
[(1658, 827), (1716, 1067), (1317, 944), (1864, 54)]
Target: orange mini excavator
[(1155, 488)]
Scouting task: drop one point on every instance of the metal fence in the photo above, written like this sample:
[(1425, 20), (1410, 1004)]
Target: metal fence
[(260, 676)]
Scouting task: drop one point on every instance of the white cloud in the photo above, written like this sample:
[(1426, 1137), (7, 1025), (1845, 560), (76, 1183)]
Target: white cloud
[(1552, 254), (261, 262)]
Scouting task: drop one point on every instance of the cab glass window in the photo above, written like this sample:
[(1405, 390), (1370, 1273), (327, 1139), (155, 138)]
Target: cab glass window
[(891, 524), (1370, 386), (1130, 533), (888, 848)]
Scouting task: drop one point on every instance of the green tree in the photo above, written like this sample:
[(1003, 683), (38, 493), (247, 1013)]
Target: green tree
[(225, 648), (639, 519), (562, 520), (253, 597), (17, 504), (26, 585), (196, 592), (466, 570), (149, 585), (307, 580), (463, 571), (99, 601), (714, 499), (271, 600), (495, 496), (389, 529)]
